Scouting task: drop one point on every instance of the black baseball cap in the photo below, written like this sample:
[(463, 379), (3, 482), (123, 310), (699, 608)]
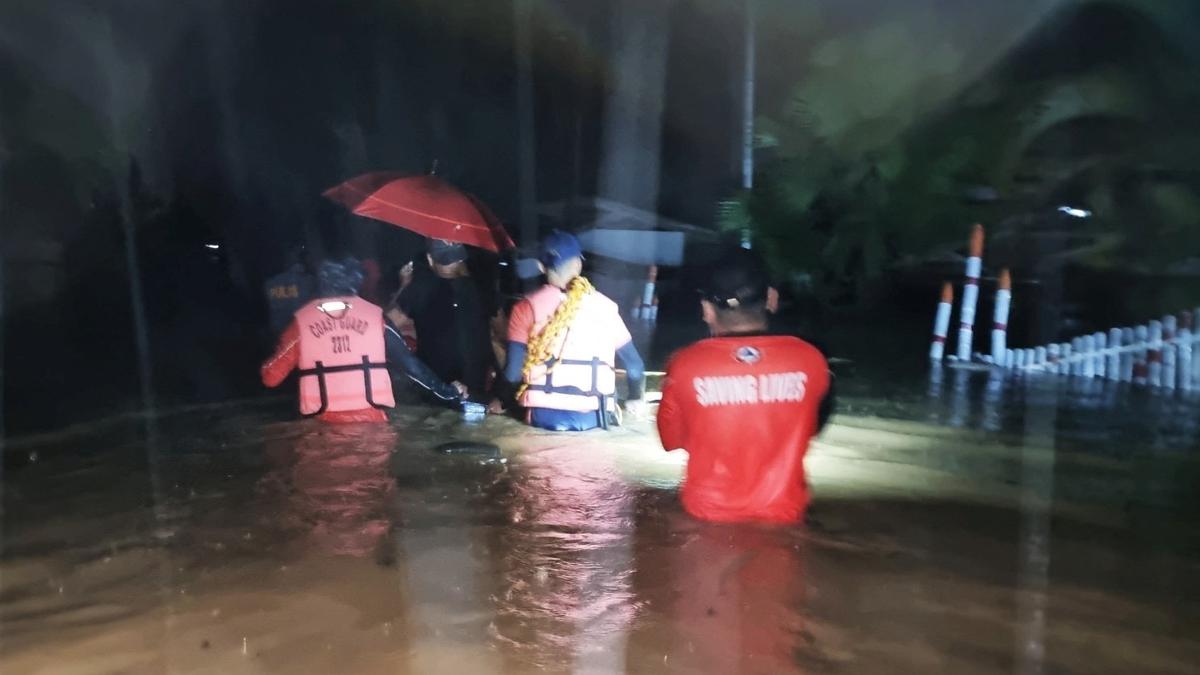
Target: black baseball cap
[(737, 279), (446, 252)]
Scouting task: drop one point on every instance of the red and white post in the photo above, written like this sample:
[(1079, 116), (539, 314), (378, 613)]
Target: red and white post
[(941, 323), (1000, 316), (966, 330), (645, 309)]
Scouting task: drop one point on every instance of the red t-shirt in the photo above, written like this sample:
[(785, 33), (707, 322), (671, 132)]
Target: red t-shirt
[(744, 408)]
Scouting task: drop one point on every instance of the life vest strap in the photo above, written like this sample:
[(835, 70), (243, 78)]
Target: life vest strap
[(550, 388), (321, 369), (595, 364)]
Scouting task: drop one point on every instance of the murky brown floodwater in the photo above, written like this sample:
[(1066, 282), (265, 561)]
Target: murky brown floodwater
[(990, 529)]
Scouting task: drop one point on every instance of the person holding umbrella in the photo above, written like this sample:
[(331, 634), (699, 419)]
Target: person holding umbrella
[(563, 340), (450, 319), (341, 347)]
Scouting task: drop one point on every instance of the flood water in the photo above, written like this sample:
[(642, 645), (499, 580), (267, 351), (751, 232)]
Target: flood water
[(963, 524)]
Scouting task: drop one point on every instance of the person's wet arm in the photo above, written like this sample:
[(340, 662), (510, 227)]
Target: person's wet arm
[(671, 427), (514, 366), (417, 371), (520, 325), (286, 357), (635, 370), (627, 353)]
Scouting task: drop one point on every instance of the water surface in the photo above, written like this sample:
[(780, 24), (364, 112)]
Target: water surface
[(964, 524)]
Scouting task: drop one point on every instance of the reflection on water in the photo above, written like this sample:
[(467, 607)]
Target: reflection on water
[(968, 523), (332, 483), (567, 596), (1037, 494)]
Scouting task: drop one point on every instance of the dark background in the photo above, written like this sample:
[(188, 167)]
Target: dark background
[(133, 133)]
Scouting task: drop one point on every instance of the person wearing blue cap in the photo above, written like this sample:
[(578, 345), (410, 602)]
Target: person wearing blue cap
[(563, 342)]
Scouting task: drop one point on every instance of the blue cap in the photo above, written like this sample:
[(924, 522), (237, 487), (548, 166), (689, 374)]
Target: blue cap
[(559, 247)]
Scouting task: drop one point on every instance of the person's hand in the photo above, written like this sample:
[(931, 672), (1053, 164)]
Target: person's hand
[(636, 408), (462, 388), (395, 316), (406, 275), (496, 407)]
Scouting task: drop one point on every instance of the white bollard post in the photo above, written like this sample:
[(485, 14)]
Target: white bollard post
[(970, 299), (1100, 358), (1154, 366), (1141, 338), (1053, 356), (1087, 367), (941, 323), (1080, 353), (1064, 358), (1128, 358), (1170, 324), (1170, 365), (1000, 315), (1010, 356), (1037, 357), (1185, 351), (1113, 367), (1195, 337)]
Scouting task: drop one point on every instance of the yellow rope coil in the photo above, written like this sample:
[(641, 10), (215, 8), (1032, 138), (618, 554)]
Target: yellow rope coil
[(541, 345)]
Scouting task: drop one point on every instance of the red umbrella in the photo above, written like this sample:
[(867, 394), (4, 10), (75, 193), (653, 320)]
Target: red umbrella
[(426, 205)]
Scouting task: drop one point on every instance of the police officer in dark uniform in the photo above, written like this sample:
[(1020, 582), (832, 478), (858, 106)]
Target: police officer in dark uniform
[(289, 290)]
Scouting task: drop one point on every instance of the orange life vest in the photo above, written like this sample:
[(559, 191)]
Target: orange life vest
[(581, 374), (343, 361)]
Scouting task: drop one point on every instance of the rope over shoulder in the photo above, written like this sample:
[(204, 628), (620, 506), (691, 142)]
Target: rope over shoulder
[(541, 345)]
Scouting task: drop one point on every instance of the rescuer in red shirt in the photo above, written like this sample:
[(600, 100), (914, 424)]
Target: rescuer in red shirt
[(744, 404)]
